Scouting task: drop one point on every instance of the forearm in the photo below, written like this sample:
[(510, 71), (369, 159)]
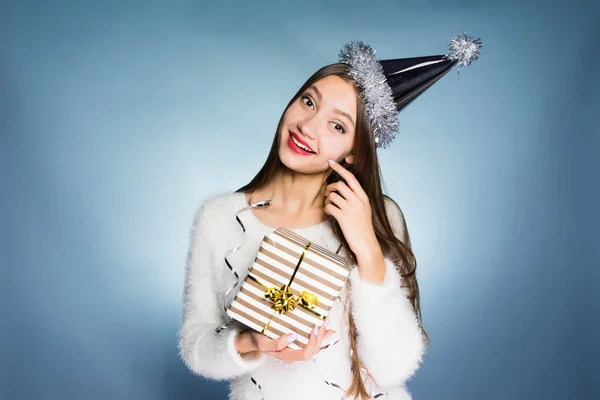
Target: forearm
[(215, 355), (206, 352)]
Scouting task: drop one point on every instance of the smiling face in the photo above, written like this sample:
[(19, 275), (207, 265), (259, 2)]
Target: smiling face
[(319, 125)]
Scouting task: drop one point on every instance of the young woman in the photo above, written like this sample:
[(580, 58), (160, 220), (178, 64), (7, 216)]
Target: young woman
[(321, 179)]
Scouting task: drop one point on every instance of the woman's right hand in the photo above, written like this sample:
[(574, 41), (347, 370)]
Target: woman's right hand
[(278, 348)]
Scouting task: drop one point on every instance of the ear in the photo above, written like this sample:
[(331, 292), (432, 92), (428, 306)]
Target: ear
[(349, 158)]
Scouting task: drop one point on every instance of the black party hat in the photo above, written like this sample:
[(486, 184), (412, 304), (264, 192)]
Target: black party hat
[(409, 77), (388, 86)]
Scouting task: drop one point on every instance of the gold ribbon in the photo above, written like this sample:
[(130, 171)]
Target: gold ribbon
[(284, 300)]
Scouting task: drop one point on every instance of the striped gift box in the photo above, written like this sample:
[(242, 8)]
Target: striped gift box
[(290, 287)]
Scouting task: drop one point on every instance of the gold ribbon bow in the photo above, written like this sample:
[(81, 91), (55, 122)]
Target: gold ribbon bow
[(284, 300)]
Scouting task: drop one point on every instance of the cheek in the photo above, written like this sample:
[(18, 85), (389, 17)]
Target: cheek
[(292, 113), (331, 152), (335, 147)]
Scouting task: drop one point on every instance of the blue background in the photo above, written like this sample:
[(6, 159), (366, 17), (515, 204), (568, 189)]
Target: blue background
[(118, 118)]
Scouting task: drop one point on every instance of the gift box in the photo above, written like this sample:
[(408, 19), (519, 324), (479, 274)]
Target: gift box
[(290, 287)]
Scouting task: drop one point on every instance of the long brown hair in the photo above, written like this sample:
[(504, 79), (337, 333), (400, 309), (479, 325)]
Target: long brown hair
[(366, 169)]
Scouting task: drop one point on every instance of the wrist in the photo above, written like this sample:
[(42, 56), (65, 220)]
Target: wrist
[(371, 265), (246, 343), (253, 340), (370, 253)]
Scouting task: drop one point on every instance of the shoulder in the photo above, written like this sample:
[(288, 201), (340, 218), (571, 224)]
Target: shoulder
[(216, 208), (218, 203), (396, 218)]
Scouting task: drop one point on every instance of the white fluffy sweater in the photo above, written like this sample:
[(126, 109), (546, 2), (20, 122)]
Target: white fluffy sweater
[(389, 340)]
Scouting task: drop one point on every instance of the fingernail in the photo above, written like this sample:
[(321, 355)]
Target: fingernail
[(316, 330), (326, 323), (331, 162), (292, 338)]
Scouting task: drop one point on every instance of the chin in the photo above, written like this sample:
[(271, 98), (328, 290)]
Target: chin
[(292, 162), (296, 165), (289, 161)]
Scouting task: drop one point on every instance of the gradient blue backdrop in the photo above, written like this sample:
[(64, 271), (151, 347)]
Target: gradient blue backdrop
[(118, 118)]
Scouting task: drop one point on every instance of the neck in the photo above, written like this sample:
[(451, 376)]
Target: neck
[(293, 192)]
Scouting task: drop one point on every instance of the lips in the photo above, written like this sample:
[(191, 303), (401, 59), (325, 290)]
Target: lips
[(296, 148), (297, 138)]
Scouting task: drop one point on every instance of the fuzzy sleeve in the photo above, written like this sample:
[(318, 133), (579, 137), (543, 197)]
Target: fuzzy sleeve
[(389, 340), (205, 352)]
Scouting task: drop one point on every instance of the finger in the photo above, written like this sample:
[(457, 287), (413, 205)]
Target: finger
[(331, 209), (347, 175), (332, 187), (312, 345), (351, 180), (322, 329), (328, 333), (317, 337), (341, 188), (282, 342), (323, 333), (337, 200), (291, 338), (286, 355)]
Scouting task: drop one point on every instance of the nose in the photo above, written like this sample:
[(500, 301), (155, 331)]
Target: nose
[(308, 127)]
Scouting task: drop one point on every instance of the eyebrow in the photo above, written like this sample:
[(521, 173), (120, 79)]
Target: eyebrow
[(337, 111)]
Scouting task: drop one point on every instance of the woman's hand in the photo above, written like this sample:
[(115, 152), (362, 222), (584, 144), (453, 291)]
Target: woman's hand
[(279, 348), (288, 355), (350, 206)]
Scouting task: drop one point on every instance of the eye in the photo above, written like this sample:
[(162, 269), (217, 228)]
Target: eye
[(308, 101), (338, 127)]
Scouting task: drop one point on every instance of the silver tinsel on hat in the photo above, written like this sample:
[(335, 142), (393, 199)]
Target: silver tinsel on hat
[(464, 49), (376, 94)]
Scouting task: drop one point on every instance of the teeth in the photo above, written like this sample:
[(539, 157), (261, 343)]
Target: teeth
[(301, 145)]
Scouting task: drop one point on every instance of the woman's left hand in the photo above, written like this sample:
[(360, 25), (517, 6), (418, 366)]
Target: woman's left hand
[(350, 206), (313, 347)]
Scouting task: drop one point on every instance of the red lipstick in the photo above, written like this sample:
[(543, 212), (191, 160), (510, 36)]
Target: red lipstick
[(295, 147)]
